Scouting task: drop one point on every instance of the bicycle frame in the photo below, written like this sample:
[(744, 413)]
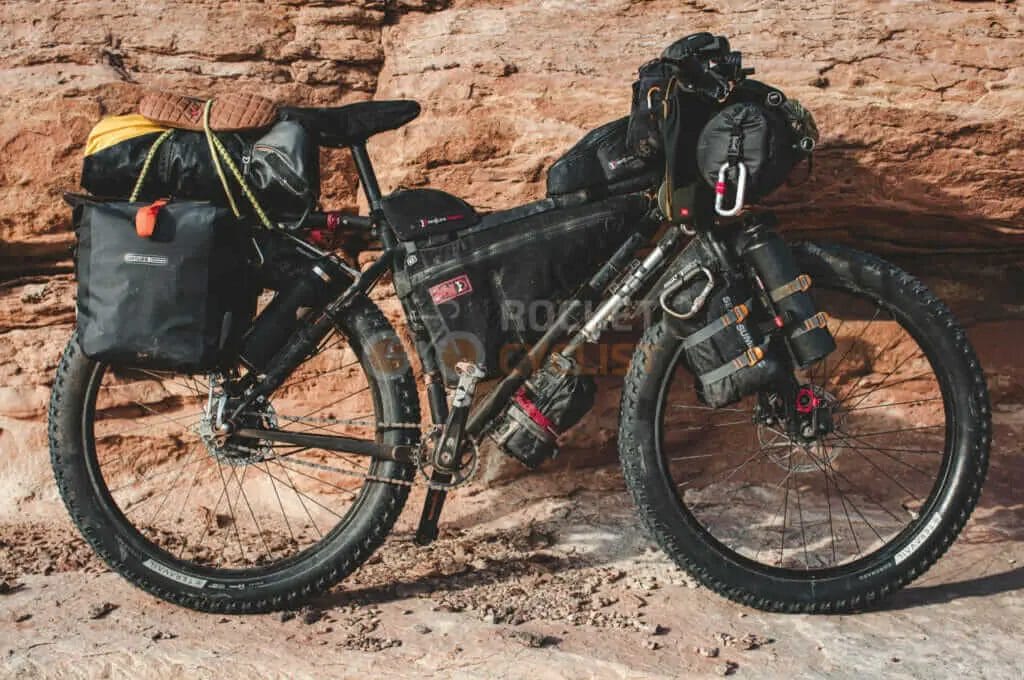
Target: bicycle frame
[(638, 279)]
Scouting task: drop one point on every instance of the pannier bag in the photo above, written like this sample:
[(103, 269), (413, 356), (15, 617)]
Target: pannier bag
[(176, 299), (281, 165), (601, 160), (727, 352), (553, 400), (492, 290)]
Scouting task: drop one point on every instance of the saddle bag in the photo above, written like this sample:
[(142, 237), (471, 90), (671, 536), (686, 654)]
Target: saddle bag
[(727, 352), (162, 286), (485, 294), (281, 164)]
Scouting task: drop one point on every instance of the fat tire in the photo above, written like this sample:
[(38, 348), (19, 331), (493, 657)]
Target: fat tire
[(324, 564), (679, 534)]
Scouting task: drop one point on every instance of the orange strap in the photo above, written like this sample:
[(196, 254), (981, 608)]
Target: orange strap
[(145, 218)]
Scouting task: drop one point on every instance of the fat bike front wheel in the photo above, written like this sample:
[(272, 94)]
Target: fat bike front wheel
[(832, 522)]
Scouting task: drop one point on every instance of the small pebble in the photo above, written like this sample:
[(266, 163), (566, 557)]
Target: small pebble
[(421, 628), (98, 611)]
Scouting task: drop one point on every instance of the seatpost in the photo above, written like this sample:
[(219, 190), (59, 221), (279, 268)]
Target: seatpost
[(368, 178)]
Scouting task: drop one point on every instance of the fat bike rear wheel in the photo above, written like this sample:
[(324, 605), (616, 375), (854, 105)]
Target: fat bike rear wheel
[(818, 522), (239, 526)]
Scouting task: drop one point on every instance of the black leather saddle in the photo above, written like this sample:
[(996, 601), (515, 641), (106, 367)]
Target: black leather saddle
[(340, 126)]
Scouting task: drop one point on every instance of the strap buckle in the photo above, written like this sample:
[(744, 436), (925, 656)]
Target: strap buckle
[(819, 320), (801, 284), (720, 188), (752, 357), (737, 314)]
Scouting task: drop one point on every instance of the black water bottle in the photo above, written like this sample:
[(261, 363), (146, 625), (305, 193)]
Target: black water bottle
[(805, 328), (279, 320)]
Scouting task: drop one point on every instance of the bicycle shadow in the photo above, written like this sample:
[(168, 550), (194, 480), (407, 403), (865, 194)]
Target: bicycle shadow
[(981, 586)]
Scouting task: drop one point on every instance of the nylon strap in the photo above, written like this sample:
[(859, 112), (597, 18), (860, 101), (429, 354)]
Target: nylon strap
[(734, 316), (217, 149), (149, 161), (752, 357), (819, 320), (800, 284)]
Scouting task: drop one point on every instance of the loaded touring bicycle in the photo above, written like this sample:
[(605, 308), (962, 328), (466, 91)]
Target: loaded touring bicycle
[(235, 424)]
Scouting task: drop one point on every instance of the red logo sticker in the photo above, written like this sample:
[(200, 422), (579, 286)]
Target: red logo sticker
[(446, 291)]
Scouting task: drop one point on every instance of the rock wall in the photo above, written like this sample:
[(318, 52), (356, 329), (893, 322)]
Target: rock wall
[(919, 104)]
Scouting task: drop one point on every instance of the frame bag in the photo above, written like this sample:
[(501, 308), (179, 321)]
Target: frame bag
[(490, 291), (163, 285)]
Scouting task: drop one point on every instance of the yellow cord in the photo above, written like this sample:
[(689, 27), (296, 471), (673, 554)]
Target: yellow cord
[(145, 165), (211, 141), (217, 149)]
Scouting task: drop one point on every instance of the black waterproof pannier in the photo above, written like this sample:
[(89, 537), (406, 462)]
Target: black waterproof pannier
[(487, 293), (281, 164), (179, 299)]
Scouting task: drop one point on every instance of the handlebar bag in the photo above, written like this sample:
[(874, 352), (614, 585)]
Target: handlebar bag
[(176, 299)]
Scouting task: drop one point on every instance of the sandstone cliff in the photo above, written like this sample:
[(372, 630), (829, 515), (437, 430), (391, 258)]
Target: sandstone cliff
[(919, 104)]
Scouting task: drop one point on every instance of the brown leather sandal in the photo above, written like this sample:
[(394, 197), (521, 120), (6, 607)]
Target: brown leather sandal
[(230, 112)]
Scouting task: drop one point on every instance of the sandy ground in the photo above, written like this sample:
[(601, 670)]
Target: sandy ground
[(534, 579)]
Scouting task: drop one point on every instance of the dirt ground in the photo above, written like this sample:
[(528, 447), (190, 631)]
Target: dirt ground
[(546, 576), (533, 579)]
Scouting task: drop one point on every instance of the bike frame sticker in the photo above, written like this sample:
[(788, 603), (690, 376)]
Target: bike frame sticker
[(446, 291)]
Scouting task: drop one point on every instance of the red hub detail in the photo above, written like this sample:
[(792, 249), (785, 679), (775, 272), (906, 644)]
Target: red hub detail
[(807, 400)]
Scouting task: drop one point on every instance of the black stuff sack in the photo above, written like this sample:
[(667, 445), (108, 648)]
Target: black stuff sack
[(281, 165), (727, 352), (768, 139), (552, 401), (178, 299)]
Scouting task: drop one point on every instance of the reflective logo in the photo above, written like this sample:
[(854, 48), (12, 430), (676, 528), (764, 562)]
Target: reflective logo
[(151, 260)]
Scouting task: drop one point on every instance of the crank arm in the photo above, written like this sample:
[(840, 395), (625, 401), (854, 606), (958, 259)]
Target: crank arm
[(358, 447)]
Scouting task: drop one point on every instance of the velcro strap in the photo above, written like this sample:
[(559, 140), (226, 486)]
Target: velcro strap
[(800, 284), (737, 314), (752, 357), (145, 218)]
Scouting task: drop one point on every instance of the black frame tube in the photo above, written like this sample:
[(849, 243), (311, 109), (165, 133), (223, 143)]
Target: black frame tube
[(350, 445)]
